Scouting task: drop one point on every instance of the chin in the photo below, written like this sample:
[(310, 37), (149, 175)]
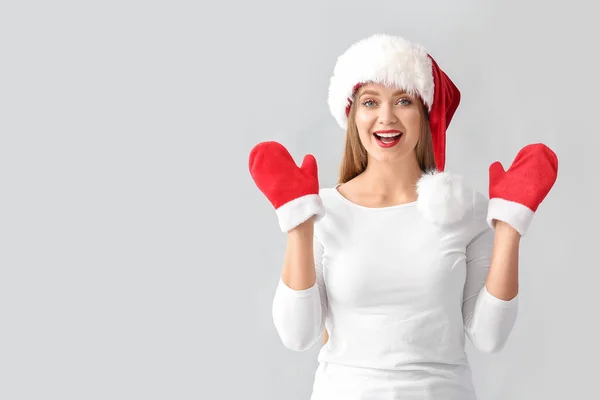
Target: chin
[(386, 156)]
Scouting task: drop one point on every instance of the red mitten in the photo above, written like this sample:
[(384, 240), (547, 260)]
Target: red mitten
[(516, 194), (293, 191)]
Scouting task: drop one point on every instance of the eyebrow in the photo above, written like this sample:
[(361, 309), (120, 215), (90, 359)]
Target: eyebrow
[(373, 93)]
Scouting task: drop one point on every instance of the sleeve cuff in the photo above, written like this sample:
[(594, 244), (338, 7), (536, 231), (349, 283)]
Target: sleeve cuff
[(288, 291), (489, 298)]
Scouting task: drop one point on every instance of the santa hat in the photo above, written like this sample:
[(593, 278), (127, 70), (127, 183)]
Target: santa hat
[(396, 62)]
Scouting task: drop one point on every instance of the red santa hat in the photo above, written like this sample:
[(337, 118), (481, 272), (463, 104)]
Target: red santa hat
[(396, 62)]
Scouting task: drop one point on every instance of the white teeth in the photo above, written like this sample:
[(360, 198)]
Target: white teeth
[(389, 135)]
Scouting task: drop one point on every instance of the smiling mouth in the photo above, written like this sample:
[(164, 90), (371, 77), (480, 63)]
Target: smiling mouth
[(387, 138)]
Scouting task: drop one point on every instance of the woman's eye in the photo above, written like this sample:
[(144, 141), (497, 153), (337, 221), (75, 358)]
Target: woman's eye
[(368, 103), (405, 101)]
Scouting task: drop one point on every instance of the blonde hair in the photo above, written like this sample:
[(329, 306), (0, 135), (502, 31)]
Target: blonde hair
[(354, 160)]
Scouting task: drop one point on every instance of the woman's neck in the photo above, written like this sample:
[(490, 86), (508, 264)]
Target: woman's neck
[(392, 179)]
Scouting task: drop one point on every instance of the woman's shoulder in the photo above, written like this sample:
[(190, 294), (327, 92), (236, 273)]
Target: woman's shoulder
[(333, 190), (327, 192), (330, 198), (348, 195)]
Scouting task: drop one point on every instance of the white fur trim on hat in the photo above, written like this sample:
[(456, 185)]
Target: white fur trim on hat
[(299, 210), (384, 59), (515, 214), (444, 198)]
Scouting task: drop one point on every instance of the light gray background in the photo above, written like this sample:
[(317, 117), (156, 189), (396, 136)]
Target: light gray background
[(139, 261)]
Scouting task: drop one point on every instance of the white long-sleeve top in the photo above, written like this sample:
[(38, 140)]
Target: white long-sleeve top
[(397, 294)]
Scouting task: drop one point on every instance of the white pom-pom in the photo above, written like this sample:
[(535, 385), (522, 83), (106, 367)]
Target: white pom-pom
[(443, 197)]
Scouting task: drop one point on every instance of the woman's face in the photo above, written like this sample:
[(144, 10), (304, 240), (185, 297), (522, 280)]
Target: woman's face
[(388, 121)]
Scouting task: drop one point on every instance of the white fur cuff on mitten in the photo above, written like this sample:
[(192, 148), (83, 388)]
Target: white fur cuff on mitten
[(299, 210), (515, 214)]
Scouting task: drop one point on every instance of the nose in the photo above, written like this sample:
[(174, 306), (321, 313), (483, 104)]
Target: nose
[(386, 115)]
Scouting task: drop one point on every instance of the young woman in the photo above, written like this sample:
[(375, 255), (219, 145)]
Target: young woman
[(400, 261)]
